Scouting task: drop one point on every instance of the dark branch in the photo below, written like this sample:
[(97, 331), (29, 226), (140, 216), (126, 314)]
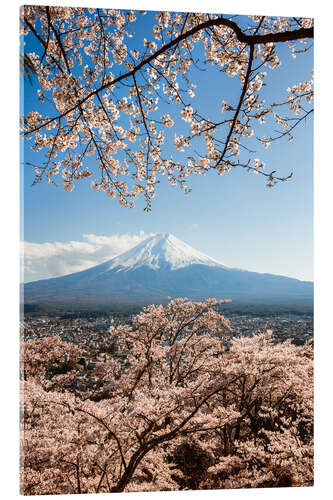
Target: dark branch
[(242, 37), (246, 81)]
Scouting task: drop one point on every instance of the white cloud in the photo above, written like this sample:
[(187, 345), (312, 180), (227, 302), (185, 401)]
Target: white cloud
[(48, 260)]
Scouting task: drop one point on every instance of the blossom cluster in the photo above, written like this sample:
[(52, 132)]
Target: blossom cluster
[(107, 96), (187, 407)]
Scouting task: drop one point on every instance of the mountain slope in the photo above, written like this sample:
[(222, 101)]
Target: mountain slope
[(163, 266), (161, 251)]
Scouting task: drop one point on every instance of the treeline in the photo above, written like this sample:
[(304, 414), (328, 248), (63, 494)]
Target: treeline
[(67, 311)]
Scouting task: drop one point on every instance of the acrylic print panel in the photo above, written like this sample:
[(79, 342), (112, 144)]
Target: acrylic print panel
[(167, 295)]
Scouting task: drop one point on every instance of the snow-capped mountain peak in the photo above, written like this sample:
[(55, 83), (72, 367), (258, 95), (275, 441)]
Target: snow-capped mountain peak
[(160, 267), (160, 251)]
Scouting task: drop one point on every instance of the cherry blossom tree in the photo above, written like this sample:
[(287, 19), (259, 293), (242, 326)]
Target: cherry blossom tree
[(190, 407), (39, 356), (107, 93)]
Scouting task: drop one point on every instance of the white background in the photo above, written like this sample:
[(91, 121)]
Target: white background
[(9, 230)]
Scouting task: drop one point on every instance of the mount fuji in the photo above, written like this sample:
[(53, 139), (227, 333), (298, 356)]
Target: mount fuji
[(160, 268)]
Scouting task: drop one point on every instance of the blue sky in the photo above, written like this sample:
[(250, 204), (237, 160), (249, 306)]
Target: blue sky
[(233, 218)]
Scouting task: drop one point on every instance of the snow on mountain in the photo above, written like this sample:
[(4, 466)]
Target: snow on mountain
[(163, 266), (160, 251)]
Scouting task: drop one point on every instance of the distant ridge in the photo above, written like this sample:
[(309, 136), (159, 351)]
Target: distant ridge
[(160, 267)]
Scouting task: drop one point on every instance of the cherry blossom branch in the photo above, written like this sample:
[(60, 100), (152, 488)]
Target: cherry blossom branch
[(144, 122), (111, 432), (63, 52), (147, 446), (44, 45), (248, 39), (289, 129), (240, 102), (48, 32), (76, 96)]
